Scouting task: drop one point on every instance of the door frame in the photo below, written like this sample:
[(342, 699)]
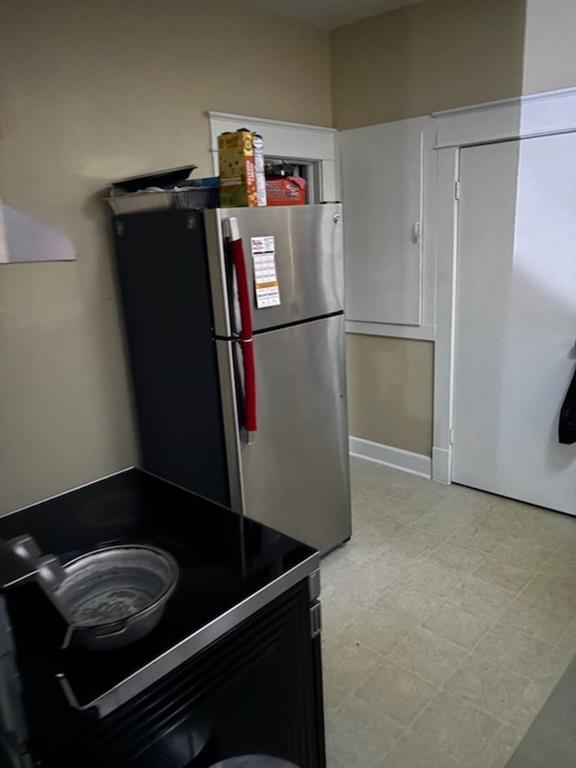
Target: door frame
[(313, 145), (541, 114)]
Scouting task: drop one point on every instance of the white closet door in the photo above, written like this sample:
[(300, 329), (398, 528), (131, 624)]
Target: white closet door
[(382, 191), (516, 319)]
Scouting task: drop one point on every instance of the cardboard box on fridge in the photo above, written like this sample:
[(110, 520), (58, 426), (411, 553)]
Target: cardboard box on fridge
[(237, 170), (286, 191)]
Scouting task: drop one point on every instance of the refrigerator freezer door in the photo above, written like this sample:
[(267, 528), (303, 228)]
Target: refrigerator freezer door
[(307, 252), (294, 476)]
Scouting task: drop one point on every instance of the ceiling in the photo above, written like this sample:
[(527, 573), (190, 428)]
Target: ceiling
[(330, 14)]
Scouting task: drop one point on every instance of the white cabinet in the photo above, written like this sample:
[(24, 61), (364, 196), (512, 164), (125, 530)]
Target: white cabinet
[(383, 173)]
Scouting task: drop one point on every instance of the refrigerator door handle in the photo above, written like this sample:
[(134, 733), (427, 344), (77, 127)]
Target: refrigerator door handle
[(248, 361), (245, 335)]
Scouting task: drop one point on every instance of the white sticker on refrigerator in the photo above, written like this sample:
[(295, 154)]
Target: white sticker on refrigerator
[(265, 277)]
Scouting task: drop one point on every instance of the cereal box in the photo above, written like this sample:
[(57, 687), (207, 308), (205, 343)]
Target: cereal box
[(259, 167), (237, 171)]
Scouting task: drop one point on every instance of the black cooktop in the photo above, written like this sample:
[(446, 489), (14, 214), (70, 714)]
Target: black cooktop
[(225, 560)]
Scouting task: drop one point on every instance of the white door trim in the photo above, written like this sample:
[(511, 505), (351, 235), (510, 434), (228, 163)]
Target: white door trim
[(293, 141), (539, 114), (446, 232)]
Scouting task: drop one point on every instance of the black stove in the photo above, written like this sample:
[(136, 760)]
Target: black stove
[(232, 571)]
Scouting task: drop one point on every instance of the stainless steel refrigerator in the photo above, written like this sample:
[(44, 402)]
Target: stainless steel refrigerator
[(235, 328)]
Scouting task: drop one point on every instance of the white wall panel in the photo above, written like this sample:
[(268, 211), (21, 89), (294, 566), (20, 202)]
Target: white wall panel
[(383, 173)]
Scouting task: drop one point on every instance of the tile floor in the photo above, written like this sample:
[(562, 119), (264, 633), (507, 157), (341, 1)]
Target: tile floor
[(448, 619)]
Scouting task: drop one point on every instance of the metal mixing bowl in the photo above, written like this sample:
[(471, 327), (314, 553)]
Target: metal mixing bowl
[(115, 595)]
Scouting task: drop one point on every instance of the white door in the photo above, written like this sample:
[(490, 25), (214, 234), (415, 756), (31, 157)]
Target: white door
[(515, 328)]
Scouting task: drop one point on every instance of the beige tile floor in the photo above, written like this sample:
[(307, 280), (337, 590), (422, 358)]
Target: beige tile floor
[(448, 619)]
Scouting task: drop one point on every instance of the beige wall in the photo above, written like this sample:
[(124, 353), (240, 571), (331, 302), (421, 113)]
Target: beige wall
[(549, 58), (390, 391), (442, 54), (413, 61), (422, 58), (89, 92)]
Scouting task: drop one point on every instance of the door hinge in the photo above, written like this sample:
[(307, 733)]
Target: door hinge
[(451, 436), (457, 190), (315, 619)]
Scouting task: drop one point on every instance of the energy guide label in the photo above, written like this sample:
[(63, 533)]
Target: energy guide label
[(265, 277)]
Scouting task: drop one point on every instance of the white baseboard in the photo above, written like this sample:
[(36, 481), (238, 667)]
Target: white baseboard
[(415, 463), (441, 466)]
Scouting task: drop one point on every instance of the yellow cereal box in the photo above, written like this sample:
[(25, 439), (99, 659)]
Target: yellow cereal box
[(237, 170)]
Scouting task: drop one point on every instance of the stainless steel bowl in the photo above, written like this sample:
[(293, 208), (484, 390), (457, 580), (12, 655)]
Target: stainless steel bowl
[(116, 595)]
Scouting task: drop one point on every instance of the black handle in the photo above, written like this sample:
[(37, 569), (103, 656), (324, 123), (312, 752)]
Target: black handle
[(12, 567)]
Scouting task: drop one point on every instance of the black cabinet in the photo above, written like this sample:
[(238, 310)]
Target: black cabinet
[(257, 690)]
